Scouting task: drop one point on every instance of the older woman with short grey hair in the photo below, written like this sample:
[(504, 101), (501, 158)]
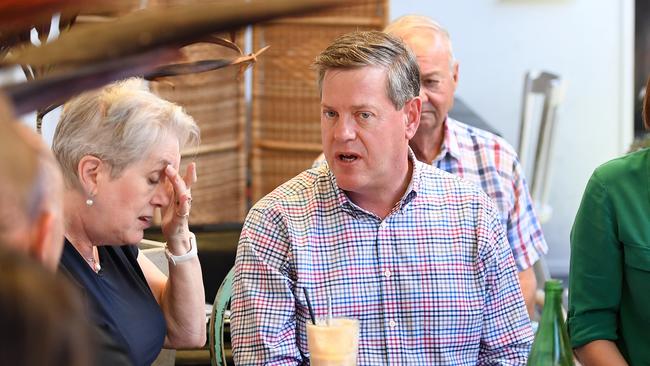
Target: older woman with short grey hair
[(119, 149)]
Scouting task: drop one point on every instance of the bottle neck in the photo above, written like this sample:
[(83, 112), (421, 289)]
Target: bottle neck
[(552, 301)]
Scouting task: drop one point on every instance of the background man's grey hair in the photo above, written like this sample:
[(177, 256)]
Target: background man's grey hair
[(373, 48), (19, 165), (408, 23)]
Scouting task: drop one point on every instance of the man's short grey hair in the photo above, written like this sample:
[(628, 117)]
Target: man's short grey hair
[(412, 23), (373, 48), (120, 124), (31, 180)]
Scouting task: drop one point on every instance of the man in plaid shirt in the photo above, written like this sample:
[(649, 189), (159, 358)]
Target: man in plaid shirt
[(475, 155), (417, 255)]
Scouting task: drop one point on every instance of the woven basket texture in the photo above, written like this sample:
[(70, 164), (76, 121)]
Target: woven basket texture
[(286, 103)]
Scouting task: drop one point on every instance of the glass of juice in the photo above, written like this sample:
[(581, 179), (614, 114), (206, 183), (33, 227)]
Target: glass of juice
[(333, 343)]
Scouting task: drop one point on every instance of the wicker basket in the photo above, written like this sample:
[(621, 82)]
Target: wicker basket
[(219, 195), (278, 165), (286, 105), (215, 100)]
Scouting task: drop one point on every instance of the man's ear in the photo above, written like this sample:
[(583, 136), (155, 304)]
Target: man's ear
[(412, 110), (88, 171), (42, 246), (454, 74)]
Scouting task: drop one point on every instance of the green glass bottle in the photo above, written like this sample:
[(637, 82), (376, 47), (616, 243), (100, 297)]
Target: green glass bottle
[(551, 346)]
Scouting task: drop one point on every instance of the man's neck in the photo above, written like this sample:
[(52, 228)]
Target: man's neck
[(426, 143), (382, 201)]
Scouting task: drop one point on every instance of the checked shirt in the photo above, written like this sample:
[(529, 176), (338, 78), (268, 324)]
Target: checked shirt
[(434, 283), (491, 163)]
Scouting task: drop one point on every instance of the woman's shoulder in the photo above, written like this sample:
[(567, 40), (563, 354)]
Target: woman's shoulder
[(630, 166)]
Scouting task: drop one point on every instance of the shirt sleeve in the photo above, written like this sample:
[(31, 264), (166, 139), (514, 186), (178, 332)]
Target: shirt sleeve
[(524, 229), (507, 335), (263, 326), (596, 268)]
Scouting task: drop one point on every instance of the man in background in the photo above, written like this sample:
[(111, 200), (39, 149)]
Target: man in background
[(31, 192), (473, 154)]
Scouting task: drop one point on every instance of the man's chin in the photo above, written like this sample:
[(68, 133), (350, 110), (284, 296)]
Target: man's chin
[(429, 120)]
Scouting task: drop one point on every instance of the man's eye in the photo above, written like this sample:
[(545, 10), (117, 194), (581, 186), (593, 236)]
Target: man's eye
[(329, 114), (365, 115), (154, 181)]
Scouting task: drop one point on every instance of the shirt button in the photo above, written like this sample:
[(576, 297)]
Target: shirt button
[(387, 273), (392, 324), (383, 224)]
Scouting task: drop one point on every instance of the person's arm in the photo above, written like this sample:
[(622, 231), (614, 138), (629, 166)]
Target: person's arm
[(595, 277), (507, 335), (263, 321), (600, 353), (528, 284), (524, 236), (181, 296)]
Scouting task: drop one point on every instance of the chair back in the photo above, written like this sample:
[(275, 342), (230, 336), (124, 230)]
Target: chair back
[(536, 134), (220, 323), (543, 92)]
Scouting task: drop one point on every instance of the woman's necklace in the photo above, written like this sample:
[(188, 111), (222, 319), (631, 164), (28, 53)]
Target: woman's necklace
[(94, 263)]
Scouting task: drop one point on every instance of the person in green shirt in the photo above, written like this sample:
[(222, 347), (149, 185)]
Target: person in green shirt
[(609, 281)]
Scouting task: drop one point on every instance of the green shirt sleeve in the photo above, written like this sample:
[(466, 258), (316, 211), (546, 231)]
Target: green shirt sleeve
[(596, 268)]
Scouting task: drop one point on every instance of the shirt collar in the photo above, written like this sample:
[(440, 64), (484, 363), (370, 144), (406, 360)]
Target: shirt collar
[(450, 143), (410, 193)]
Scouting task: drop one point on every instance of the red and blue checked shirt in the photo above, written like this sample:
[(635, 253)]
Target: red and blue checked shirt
[(491, 163), (434, 283)]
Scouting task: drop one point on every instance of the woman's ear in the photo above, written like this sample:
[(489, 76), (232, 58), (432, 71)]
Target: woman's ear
[(88, 170)]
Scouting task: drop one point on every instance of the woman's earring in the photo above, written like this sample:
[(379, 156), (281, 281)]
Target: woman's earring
[(89, 201)]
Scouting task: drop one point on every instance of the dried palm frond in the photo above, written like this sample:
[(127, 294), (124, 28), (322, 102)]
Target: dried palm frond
[(202, 66), (150, 28), (140, 43)]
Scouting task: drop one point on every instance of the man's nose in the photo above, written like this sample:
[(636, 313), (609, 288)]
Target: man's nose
[(344, 130), (424, 94)]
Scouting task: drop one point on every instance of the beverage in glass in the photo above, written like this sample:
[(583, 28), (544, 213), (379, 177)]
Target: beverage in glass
[(333, 344)]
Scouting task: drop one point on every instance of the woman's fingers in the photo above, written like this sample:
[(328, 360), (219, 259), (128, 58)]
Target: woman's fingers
[(190, 175), (181, 190), (177, 183)]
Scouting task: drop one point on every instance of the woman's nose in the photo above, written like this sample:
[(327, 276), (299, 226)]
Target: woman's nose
[(162, 195)]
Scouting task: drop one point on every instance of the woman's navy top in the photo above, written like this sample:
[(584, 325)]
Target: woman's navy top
[(119, 299)]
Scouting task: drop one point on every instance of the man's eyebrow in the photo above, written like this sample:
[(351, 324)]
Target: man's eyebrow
[(356, 106), (366, 107), (432, 73)]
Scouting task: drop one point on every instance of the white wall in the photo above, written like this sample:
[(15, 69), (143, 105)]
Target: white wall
[(588, 42)]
